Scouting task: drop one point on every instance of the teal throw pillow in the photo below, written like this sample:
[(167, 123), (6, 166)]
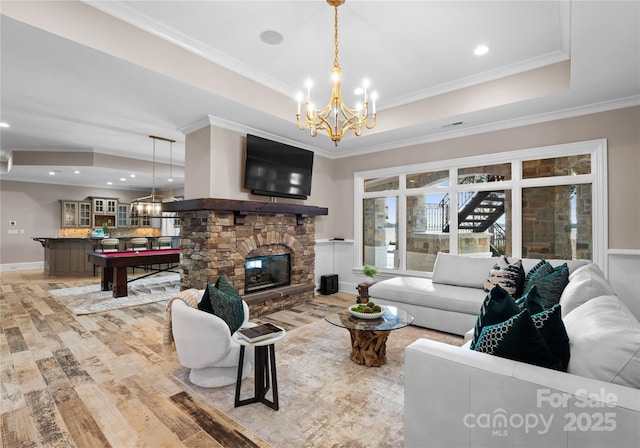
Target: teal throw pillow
[(551, 285), (205, 302), (223, 285), (531, 301), (518, 339), (538, 271), (550, 326), (225, 303), (534, 269), (497, 307)]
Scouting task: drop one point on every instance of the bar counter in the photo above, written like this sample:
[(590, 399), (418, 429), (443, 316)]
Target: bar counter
[(68, 255)]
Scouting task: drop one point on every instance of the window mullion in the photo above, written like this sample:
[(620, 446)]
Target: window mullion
[(453, 211), (516, 210)]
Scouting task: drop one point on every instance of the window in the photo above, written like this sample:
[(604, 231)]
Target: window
[(545, 202)]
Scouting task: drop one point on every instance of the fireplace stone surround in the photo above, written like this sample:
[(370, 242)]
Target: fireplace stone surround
[(217, 235)]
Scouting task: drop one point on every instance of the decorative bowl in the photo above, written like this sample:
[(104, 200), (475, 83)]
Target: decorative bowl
[(366, 315)]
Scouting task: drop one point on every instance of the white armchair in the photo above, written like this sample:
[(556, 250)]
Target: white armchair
[(203, 344)]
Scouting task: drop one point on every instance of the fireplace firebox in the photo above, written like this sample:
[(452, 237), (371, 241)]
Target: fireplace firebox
[(266, 272)]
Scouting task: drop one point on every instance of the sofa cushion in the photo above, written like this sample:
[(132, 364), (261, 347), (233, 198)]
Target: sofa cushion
[(516, 338), (459, 270), (424, 292), (497, 307), (584, 285), (550, 282), (509, 275), (605, 341), (587, 267)]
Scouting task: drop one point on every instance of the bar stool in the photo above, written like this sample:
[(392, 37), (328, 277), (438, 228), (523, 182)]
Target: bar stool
[(107, 245), (139, 244)]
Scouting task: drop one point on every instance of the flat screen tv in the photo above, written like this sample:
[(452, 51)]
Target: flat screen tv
[(275, 169)]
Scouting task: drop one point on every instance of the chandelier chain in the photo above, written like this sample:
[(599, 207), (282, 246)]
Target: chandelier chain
[(335, 37)]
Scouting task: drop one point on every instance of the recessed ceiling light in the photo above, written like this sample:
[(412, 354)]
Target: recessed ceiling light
[(52, 173), (76, 172), (3, 124), (132, 175), (481, 50), (109, 183), (123, 179), (271, 37)]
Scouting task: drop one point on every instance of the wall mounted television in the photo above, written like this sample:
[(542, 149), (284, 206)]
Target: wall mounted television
[(275, 169)]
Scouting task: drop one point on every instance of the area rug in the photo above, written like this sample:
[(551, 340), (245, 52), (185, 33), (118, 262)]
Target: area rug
[(90, 299), (325, 399)]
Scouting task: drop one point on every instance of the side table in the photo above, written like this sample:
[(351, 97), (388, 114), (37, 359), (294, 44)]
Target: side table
[(265, 376), (363, 292)]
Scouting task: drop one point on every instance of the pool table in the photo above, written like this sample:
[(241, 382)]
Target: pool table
[(114, 266)]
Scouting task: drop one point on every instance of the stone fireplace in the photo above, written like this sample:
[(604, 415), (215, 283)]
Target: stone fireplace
[(234, 238)]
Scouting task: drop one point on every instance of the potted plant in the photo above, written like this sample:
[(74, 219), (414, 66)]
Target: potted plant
[(369, 272)]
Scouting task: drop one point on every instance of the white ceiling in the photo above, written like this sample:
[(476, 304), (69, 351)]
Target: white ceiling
[(63, 94)]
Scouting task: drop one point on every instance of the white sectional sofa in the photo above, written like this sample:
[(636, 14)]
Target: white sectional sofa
[(451, 299), (458, 397)]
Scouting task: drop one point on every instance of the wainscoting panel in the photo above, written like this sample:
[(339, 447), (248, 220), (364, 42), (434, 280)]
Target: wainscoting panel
[(336, 257), (624, 275)]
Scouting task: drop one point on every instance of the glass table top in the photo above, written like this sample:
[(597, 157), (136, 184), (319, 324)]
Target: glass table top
[(392, 319)]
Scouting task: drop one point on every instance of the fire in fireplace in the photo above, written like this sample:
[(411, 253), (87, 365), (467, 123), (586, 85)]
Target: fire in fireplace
[(266, 272)]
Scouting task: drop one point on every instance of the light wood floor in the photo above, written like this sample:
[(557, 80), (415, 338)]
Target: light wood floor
[(100, 380)]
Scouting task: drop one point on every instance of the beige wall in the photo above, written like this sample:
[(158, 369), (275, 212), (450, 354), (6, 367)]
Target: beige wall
[(619, 127), (36, 208), (214, 163)]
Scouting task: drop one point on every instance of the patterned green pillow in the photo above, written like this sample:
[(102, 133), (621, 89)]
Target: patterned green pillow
[(497, 307), (551, 285), (538, 271), (225, 303), (223, 285), (518, 339), (533, 270)]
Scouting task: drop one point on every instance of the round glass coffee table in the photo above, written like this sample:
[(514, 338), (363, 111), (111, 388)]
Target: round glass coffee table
[(369, 336)]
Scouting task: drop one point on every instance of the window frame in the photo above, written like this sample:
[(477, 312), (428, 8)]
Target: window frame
[(597, 149)]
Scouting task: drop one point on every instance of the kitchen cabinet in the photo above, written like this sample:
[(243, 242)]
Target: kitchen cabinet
[(105, 211), (104, 206), (123, 215), (67, 255), (75, 214)]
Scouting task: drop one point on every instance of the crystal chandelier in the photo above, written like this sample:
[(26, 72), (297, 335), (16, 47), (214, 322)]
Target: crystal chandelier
[(151, 205), (336, 117)]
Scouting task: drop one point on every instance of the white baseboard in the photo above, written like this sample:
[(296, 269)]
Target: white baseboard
[(21, 266)]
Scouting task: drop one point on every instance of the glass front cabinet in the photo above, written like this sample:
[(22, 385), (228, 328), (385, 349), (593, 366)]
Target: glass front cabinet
[(123, 215), (76, 214)]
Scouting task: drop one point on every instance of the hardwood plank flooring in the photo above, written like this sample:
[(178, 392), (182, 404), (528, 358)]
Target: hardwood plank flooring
[(100, 380)]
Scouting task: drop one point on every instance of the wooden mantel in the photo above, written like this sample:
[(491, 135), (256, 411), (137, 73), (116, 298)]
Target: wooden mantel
[(242, 208)]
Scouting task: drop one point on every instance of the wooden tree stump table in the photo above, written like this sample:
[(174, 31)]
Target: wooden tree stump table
[(369, 336), (369, 347)]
